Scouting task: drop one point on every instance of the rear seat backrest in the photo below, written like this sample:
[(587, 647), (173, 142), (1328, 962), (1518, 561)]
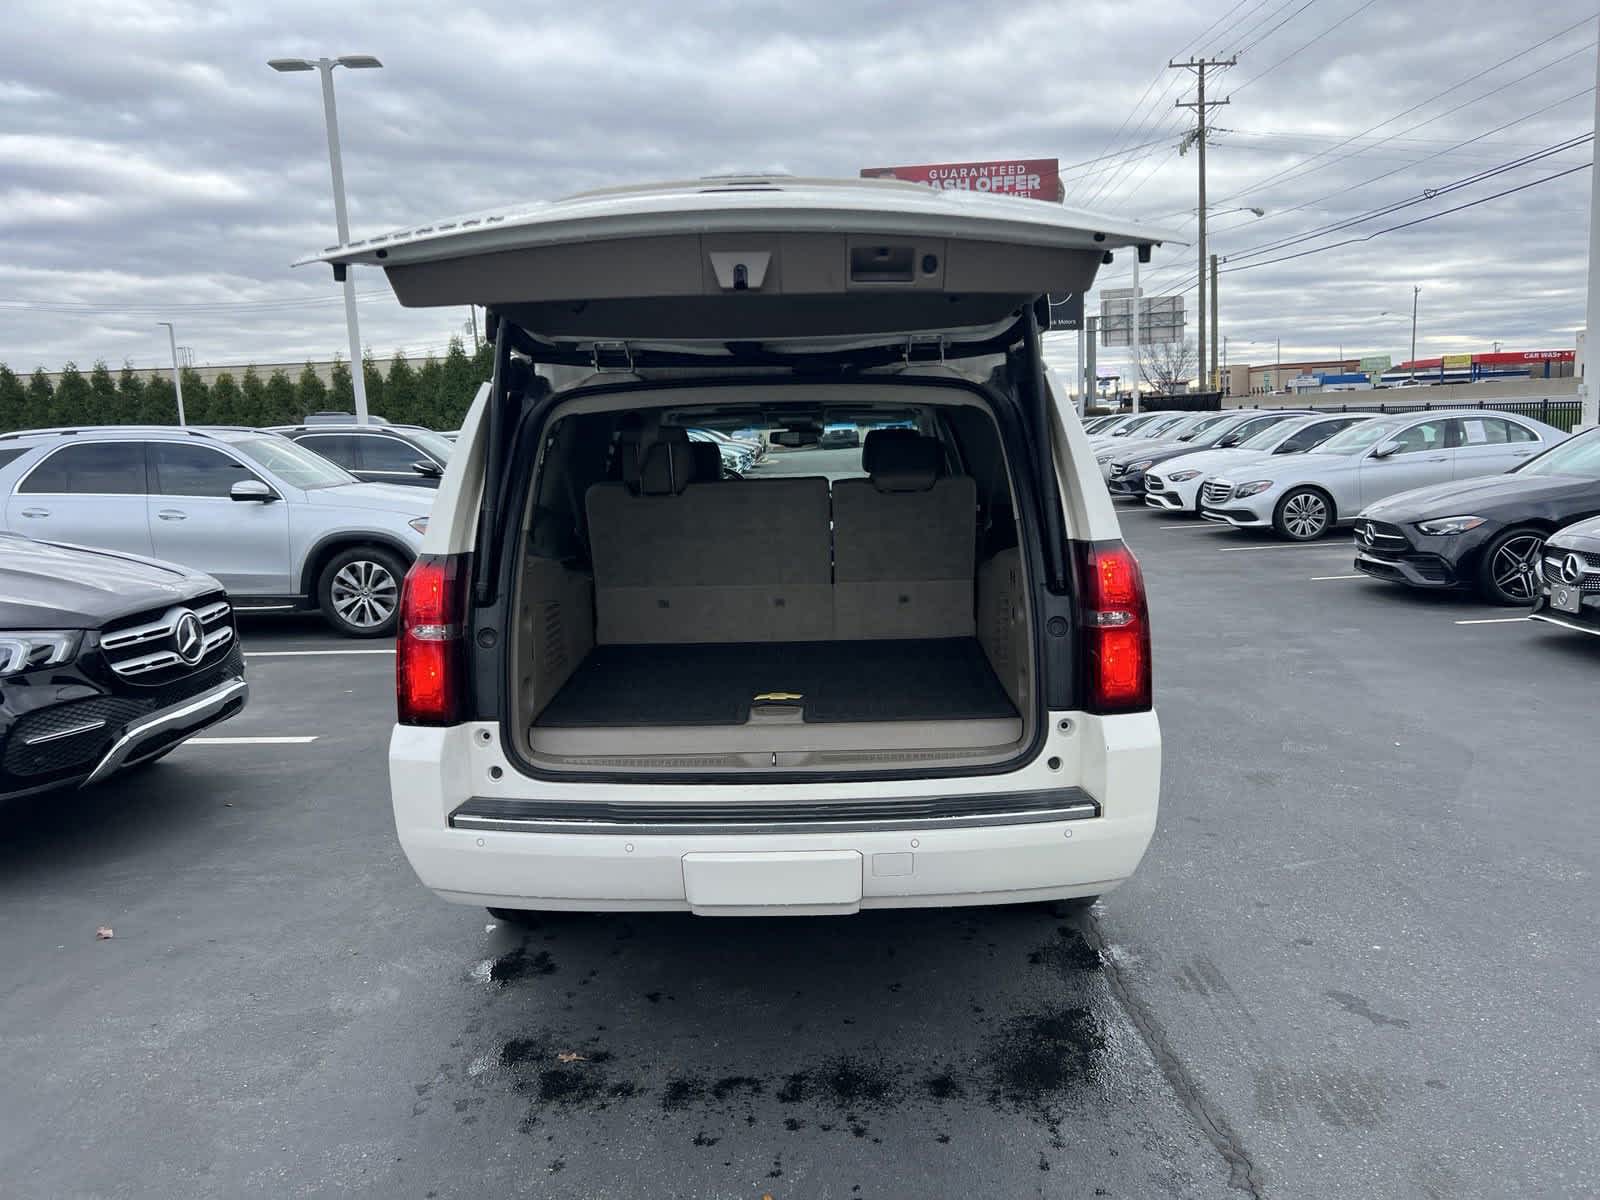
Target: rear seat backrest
[(904, 543), (707, 461), (725, 561)]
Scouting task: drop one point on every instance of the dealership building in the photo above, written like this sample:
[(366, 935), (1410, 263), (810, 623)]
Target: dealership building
[(1347, 374)]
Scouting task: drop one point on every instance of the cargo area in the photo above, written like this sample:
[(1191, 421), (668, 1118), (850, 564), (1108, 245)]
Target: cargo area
[(689, 601)]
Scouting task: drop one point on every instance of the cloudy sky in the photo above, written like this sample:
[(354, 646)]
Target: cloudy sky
[(152, 167)]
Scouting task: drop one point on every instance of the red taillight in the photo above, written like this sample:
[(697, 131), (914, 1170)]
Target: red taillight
[(1116, 629), (430, 653)]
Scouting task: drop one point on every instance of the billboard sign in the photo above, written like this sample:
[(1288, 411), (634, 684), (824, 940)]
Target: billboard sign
[(1066, 311), (1160, 318), (1030, 178), (1376, 364), (1458, 362)]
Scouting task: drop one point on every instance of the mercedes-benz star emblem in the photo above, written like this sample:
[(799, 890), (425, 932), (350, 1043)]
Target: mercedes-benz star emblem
[(1572, 569), (188, 638), (1367, 534)]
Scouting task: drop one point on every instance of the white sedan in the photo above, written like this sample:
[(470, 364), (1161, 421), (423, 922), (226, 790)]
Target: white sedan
[(1175, 486), (1305, 495)]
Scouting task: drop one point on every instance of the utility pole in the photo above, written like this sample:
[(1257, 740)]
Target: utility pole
[(1091, 326), (1216, 383), (473, 309), (1083, 395), (1200, 104), (1415, 292), (177, 376), (1588, 392)]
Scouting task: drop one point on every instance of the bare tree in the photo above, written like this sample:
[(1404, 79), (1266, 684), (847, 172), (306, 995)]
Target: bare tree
[(1168, 366)]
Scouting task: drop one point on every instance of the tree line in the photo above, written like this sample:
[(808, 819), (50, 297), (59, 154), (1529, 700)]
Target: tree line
[(435, 393)]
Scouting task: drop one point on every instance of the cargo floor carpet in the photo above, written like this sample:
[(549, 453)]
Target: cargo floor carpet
[(945, 679)]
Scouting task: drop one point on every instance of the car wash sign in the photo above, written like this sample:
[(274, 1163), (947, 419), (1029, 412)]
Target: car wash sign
[(1030, 178)]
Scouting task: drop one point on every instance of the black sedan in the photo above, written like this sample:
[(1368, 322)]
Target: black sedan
[(1571, 593), (1486, 533), (106, 660)]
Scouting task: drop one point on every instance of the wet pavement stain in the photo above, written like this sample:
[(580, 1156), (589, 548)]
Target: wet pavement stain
[(1041, 1057), (1359, 1007), (518, 964), (1070, 951)]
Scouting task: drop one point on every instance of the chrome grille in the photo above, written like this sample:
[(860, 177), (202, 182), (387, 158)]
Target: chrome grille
[(151, 647), (1554, 573), (1216, 492)]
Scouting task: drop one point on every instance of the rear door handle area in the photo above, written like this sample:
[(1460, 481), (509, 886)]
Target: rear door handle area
[(36, 512), (172, 514), (1441, 458)]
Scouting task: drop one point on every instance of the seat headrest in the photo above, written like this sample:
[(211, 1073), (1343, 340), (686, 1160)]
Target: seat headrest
[(901, 460), (668, 468), (707, 461)]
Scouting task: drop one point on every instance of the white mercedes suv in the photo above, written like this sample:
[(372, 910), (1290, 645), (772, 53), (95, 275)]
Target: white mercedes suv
[(913, 671)]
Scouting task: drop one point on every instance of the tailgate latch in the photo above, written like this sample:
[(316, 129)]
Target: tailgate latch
[(612, 356), (925, 347)]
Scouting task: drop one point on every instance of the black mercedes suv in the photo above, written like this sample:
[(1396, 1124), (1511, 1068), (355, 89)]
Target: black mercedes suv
[(106, 660)]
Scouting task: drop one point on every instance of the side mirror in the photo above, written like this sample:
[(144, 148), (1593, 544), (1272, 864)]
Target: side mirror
[(1386, 449), (427, 468), (252, 490)]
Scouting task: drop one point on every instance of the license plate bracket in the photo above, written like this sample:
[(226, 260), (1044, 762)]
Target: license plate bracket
[(1566, 599)]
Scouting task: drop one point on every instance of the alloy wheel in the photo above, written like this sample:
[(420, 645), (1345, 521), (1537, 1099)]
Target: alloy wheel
[(1515, 567), (364, 593), (1305, 515)]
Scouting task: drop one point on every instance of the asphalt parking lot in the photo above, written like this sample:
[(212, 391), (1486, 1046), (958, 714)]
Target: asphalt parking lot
[(1357, 962)]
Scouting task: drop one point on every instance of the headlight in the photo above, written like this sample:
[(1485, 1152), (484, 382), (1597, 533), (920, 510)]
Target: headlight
[(1144, 464), (420, 524), (1450, 525), (32, 650), (1182, 476), (1254, 488), (1104, 458)]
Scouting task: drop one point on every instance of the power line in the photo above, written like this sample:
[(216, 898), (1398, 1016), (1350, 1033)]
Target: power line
[(1424, 103), (1342, 20), (1417, 221), (1428, 158), (1249, 46)]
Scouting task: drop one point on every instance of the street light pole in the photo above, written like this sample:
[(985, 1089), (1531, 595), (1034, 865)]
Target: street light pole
[(324, 67), (177, 376), (1415, 292)]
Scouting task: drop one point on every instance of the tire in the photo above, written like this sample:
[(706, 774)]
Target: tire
[(1304, 514), (1508, 571), (359, 591)]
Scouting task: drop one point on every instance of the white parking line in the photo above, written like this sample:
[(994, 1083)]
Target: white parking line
[(310, 653), (1198, 528), (250, 741), (1339, 546), (1494, 621), (1328, 578)]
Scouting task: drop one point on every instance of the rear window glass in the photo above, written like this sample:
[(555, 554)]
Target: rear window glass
[(90, 469)]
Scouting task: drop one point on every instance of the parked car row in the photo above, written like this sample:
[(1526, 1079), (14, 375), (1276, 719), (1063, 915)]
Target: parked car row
[(279, 526), (739, 454), (1498, 503)]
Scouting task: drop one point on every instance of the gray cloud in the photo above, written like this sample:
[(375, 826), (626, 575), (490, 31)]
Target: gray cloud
[(152, 166)]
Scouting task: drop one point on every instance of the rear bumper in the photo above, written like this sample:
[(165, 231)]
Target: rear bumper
[(806, 869)]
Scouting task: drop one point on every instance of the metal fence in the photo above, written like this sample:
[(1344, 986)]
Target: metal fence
[(1563, 414)]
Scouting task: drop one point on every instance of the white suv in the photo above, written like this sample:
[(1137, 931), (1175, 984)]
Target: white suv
[(914, 671)]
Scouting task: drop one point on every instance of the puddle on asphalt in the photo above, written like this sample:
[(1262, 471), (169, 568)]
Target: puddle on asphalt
[(1031, 1058)]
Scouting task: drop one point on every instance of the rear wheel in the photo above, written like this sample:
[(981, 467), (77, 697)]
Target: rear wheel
[(1303, 515), (359, 591), (1509, 571)]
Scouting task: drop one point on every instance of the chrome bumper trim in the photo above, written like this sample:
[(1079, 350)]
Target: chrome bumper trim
[(205, 709)]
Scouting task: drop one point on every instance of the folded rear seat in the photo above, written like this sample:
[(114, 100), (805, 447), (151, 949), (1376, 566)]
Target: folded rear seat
[(904, 543), (726, 561)]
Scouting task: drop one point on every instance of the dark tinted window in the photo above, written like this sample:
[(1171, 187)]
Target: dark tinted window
[(1314, 435), (1247, 430), (184, 470), (7, 457), (389, 454), (341, 448), (92, 468)]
